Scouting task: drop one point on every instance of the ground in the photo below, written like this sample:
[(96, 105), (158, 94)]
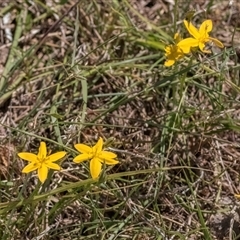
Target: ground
[(74, 71)]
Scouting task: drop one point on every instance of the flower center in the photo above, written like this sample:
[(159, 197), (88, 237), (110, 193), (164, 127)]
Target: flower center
[(42, 159)]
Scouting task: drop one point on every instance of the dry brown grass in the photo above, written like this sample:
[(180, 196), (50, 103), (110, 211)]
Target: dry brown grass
[(175, 130)]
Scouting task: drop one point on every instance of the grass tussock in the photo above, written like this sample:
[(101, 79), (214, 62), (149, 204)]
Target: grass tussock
[(76, 71)]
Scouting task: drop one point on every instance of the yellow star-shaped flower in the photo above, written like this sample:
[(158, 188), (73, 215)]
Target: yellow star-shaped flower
[(173, 52), (200, 37), (96, 156), (41, 161)]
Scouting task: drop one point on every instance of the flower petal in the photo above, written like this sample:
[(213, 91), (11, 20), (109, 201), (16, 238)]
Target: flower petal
[(202, 46), (98, 147), (28, 156), (107, 158), (82, 157), (191, 29), (177, 37), (108, 161), (95, 167), (82, 148), (30, 167), (42, 152), (52, 165), (205, 27), (42, 173), (216, 42), (56, 156), (187, 43), (106, 154), (169, 62)]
